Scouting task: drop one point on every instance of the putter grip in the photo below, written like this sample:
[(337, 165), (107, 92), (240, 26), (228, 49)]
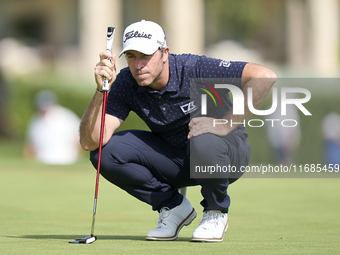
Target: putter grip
[(109, 41)]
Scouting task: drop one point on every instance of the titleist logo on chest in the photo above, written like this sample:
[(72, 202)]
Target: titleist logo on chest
[(136, 34)]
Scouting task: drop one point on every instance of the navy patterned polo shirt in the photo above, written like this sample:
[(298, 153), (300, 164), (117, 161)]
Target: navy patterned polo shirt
[(165, 112)]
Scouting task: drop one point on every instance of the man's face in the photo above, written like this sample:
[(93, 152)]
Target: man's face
[(147, 69)]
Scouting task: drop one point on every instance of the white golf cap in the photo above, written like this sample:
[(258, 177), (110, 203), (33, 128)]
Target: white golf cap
[(143, 36)]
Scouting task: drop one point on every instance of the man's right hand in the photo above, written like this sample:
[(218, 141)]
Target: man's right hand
[(105, 68)]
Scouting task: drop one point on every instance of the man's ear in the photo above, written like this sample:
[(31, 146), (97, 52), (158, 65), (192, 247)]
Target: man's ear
[(166, 54)]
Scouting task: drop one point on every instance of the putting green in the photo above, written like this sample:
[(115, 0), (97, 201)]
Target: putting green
[(43, 207)]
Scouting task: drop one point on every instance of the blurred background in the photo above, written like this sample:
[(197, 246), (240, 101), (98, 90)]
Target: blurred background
[(54, 45)]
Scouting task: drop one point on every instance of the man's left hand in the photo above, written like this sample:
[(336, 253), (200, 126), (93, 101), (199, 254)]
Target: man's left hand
[(202, 125)]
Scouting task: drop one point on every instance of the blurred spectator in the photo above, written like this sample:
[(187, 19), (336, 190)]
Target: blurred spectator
[(52, 136), (285, 140), (331, 136)]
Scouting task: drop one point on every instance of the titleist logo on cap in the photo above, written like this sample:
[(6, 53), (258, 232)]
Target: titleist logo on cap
[(136, 34)]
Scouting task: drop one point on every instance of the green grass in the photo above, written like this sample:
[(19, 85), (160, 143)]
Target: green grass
[(44, 207)]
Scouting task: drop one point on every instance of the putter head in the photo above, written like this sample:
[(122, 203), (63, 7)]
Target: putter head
[(85, 240)]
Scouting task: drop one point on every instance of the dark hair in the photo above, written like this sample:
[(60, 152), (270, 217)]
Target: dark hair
[(162, 49)]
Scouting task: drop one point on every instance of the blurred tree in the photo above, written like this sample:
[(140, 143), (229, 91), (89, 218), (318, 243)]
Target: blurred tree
[(4, 124), (257, 24), (230, 19)]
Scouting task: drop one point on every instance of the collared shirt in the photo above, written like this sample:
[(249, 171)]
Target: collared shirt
[(168, 112)]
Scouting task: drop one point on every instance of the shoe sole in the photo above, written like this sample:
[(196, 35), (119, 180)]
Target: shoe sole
[(185, 222), (201, 239)]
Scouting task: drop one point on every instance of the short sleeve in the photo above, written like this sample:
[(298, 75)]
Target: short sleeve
[(220, 69)]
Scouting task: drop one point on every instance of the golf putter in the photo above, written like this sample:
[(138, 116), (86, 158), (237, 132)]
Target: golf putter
[(92, 237)]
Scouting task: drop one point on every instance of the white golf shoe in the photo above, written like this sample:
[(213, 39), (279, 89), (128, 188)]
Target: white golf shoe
[(212, 227), (170, 222)]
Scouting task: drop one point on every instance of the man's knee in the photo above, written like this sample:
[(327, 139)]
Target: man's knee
[(207, 147), (116, 150), (105, 159), (110, 168), (112, 153)]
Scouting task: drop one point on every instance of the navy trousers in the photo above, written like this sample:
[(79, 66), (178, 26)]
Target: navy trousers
[(145, 166)]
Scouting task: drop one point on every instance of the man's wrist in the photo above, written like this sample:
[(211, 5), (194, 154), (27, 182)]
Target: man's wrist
[(100, 91)]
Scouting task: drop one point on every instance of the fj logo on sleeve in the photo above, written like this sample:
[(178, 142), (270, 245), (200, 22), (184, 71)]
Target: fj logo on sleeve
[(225, 63), (189, 107)]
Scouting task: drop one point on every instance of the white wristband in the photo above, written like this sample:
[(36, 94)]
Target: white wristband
[(101, 92)]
